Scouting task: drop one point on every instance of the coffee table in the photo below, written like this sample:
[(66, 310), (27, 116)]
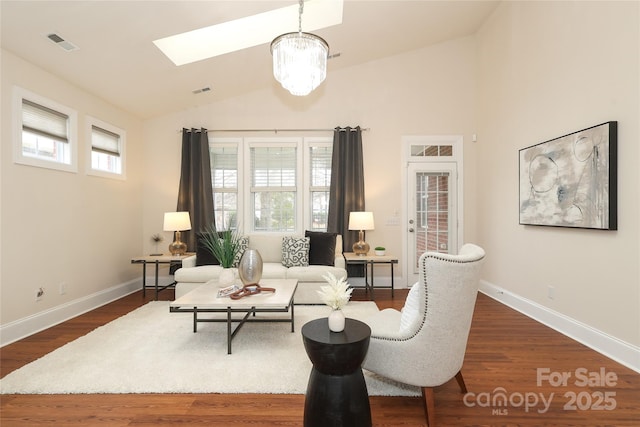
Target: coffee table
[(204, 299)]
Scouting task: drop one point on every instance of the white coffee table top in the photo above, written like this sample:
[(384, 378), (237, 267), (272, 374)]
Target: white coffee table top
[(206, 296)]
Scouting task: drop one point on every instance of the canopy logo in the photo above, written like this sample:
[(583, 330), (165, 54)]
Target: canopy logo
[(499, 400)]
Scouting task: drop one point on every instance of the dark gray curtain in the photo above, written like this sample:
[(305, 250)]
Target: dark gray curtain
[(195, 193), (347, 186)]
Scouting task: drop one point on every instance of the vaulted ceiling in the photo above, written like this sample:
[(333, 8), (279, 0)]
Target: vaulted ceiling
[(117, 60)]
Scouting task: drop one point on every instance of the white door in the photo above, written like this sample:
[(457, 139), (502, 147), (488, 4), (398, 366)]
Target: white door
[(432, 212)]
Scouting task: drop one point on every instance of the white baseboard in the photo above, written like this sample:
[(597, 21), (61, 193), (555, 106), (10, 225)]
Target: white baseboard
[(21, 328), (620, 351)]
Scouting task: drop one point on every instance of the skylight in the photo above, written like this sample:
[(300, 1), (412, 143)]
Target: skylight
[(247, 32)]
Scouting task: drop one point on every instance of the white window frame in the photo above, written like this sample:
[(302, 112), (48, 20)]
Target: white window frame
[(122, 134), (310, 142), (303, 179), (72, 134), (237, 143), (266, 143)]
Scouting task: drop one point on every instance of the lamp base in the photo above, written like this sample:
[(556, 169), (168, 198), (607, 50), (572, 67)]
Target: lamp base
[(361, 248), (177, 247)]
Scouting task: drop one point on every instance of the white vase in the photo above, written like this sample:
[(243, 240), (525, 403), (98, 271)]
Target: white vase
[(336, 321), (227, 277)]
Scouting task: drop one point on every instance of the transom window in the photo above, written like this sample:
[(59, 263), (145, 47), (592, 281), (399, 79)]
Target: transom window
[(47, 136), (107, 149)]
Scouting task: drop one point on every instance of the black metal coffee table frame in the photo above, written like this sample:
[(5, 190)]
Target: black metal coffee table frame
[(231, 332)]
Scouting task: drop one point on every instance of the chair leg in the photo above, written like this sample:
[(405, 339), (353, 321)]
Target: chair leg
[(461, 383), (429, 406)]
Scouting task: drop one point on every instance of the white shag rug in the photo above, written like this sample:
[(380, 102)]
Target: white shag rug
[(151, 350)]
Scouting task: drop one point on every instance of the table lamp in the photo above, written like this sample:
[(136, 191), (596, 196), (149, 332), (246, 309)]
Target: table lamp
[(177, 221), (361, 221)]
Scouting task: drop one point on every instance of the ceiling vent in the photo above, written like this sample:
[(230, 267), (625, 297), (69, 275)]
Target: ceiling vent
[(64, 44)]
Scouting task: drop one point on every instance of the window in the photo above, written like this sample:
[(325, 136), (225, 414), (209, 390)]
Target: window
[(225, 181), (287, 183), (319, 173), (45, 134), (107, 149), (274, 190)]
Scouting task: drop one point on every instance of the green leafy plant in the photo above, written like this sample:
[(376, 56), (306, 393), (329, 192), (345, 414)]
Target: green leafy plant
[(379, 248), (223, 245)]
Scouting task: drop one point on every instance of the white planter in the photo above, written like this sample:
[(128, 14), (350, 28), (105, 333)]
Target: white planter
[(380, 253), (336, 321), (227, 277)]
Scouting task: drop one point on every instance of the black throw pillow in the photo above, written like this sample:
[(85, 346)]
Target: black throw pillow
[(322, 247), (203, 255)]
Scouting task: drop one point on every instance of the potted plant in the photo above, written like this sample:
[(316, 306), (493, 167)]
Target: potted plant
[(224, 246), (379, 250)]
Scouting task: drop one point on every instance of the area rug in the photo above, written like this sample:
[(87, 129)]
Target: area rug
[(153, 351)]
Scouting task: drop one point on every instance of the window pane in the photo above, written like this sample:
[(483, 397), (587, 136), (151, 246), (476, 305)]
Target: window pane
[(320, 166), (224, 171), (319, 209), (106, 162), (44, 148), (273, 166), (274, 211)]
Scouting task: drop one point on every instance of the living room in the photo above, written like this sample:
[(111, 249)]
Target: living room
[(531, 72)]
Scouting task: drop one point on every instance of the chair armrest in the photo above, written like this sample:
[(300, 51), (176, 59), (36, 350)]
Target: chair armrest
[(339, 262), (385, 324)]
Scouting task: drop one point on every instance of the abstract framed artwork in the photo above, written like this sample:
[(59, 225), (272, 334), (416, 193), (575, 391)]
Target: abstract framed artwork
[(571, 181)]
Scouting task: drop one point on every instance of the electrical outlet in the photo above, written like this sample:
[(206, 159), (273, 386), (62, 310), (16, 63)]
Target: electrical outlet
[(39, 294), (551, 292), (63, 288)]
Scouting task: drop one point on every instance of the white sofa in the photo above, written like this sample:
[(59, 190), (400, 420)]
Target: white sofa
[(310, 278)]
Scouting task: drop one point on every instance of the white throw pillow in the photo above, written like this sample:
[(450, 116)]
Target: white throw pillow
[(411, 310), (295, 251)]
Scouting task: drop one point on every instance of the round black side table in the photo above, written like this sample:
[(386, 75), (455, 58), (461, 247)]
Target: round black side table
[(336, 393)]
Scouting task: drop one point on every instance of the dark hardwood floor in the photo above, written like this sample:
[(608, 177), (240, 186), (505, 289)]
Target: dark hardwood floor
[(504, 353)]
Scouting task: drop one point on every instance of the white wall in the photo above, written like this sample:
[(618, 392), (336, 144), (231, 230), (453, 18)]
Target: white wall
[(65, 227), (547, 69), (429, 91)]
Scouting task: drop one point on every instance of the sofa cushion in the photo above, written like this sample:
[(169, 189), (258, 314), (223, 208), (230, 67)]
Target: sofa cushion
[(322, 247), (411, 310), (314, 273), (274, 270), (269, 245), (295, 251)]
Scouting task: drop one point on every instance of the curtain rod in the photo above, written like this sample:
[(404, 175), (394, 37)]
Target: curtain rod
[(278, 130)]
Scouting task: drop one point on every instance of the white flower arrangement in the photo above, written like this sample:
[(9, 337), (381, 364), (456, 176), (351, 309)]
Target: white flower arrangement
[(337, 293)]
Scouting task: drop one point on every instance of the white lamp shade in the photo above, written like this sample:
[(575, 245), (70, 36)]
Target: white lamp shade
[(361, 221), (177, 221)]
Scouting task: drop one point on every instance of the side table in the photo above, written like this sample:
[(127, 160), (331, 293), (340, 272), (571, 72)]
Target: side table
[(336, 393), (157, 260), (369, 262)]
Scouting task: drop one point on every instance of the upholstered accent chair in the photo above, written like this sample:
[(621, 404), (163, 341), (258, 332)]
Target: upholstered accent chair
[(424, 344)]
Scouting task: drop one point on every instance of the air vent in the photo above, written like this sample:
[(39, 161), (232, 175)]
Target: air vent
[(202, 90), (64, 44), (335, 55)]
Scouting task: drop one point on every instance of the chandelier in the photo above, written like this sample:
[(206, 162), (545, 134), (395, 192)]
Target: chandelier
[(299, 60)]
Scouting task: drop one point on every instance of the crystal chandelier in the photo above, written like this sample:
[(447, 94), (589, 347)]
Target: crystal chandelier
[(299, 60)]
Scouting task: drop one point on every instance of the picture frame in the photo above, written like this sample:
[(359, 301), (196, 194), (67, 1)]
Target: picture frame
[(571, 181)]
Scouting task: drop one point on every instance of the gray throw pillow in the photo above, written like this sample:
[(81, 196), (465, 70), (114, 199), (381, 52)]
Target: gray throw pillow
[(295, 251)]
